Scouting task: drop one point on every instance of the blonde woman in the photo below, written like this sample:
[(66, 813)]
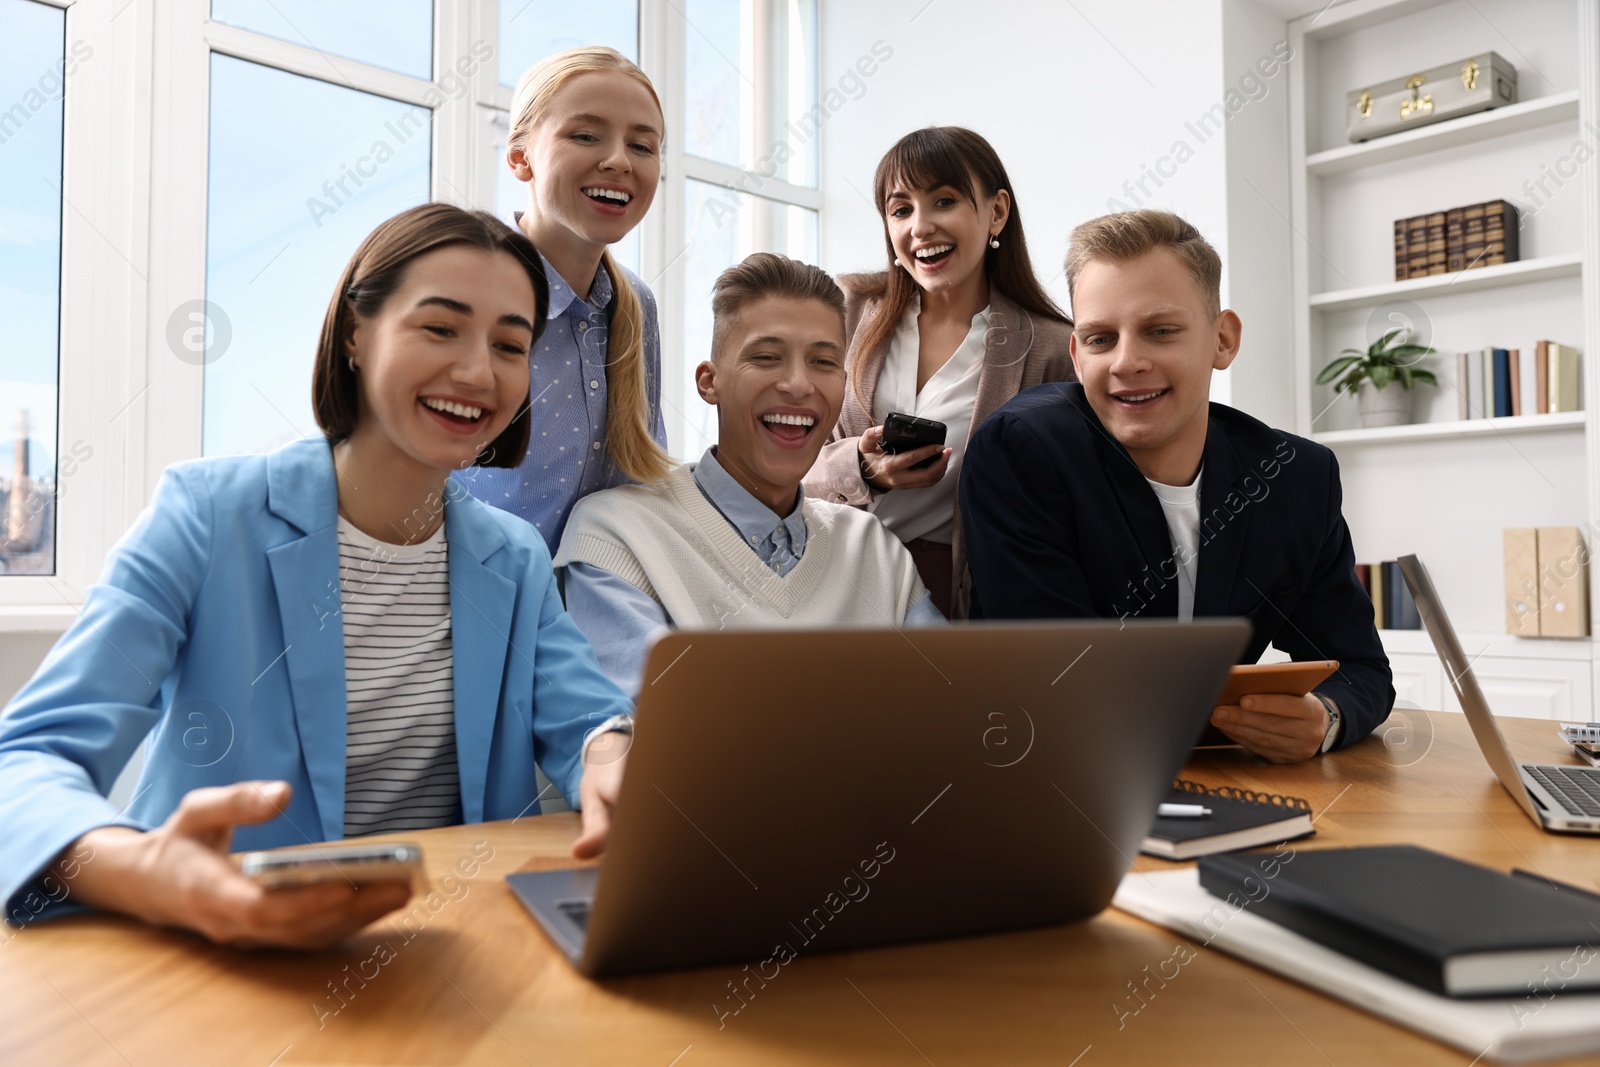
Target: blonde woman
[(586, 133)]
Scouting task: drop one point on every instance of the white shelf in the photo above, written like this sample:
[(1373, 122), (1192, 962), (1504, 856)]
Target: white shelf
[(1473, 129), (1462, 281), (1417, 642), (1566, 420)]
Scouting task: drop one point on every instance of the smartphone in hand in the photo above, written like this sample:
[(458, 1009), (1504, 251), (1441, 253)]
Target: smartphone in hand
[(311, 864), (907, 433)]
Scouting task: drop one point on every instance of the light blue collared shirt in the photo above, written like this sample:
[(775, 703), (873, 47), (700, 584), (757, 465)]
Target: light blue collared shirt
[(621, 620), (567, 457)]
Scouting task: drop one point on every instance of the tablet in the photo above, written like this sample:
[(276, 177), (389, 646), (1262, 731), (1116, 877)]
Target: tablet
[(1295, 679)]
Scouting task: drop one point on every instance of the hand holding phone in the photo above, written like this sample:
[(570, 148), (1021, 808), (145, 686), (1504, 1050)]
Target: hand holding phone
[(906, 433), (356, 864)]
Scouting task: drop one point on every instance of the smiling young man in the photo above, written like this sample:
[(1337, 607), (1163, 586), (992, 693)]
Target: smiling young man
[(732, 541), (1131, 495)]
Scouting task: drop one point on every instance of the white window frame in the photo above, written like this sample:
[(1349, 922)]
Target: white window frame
[(133, 246)]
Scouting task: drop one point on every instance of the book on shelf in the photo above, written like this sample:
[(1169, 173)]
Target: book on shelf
[(1563, 378), (1541, 375), (1402, 613), (1527, 387), (1392, 606), (1514, 384), (1379, 615), (1417, 246), (1437, 259), (1502, 382), (1500, 233), (1470, 371), (1471, 236), (1491, 406), (1455, 226), (1402, 265), (1240, 818)]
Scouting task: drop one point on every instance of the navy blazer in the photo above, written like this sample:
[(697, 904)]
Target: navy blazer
[(216, 632), (1061, 524)]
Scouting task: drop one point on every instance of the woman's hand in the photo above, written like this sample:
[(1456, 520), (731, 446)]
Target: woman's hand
[(883, 471), (179, 875), (603, 762)]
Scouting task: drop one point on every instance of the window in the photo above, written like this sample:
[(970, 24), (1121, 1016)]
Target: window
[(169, 307), (530, 30), (394, 34), (300, 171), (33, 67), (723, 227), (750, 168)]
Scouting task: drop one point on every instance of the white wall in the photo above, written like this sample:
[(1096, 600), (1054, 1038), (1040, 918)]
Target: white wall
[(1076, 105)]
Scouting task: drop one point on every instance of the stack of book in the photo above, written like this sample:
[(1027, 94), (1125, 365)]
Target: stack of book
[(1443, 242), (1495, 382), (1392, 606)]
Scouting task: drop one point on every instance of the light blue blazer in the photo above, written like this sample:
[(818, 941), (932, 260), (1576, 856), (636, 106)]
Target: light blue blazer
[(215, 630)]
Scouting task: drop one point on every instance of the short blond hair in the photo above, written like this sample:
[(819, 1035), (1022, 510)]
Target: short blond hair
[(1127, 235)]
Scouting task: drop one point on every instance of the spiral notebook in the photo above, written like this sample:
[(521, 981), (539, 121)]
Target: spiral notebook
[(1239, 819)]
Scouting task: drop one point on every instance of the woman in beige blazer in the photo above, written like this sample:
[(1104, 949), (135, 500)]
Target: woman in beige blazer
[(957, 326)]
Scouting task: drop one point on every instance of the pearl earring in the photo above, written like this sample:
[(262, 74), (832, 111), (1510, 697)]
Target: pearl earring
[(350, 361), (994, 241)]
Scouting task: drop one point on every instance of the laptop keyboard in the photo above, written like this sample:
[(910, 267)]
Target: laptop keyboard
[(577, 911), (1576, 787)]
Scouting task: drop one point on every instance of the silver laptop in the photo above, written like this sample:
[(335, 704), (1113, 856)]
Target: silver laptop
[(799, 791), (1558, 797)]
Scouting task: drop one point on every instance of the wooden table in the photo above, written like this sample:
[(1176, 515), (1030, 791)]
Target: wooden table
[(472, 980)]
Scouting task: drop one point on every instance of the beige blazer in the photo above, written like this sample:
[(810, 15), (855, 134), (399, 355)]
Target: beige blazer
[(1022, 350)]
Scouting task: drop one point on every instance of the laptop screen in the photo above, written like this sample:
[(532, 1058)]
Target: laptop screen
[(1459, 669)]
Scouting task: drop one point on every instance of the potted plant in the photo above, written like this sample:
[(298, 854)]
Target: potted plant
[(1368, 375)]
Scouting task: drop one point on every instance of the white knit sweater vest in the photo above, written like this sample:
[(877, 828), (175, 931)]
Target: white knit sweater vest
[(668, 540)]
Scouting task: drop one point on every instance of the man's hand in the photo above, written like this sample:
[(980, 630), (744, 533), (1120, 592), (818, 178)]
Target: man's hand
[(603, 763), (1275, 726), (179, 875), (883, 471)]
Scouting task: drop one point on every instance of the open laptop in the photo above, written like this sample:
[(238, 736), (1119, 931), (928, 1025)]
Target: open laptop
[(1556, 796), (797, 791)]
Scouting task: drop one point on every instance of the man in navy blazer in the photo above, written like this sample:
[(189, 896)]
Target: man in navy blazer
[(1129, 495)]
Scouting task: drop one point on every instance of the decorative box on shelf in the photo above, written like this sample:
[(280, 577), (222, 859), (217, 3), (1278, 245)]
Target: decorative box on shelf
[(1476, 84)]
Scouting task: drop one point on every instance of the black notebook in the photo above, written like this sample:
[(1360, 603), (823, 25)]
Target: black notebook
[(1238, 819), (1446, 925)]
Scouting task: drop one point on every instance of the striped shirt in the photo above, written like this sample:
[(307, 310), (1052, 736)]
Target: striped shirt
[(400, 741)]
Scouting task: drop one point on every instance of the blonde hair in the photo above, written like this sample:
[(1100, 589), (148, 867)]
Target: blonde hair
[(628, 423), (1129, 234)]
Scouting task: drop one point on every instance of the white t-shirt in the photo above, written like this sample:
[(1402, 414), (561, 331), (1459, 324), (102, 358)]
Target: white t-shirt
[(948, 397), (1181, 506), (400, 768)]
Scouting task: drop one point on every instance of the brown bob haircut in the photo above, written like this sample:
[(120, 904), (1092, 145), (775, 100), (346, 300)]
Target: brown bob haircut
[(374, 273), (1127, 235), (765, 274)]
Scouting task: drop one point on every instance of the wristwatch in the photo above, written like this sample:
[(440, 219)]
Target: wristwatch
[(1334, 722), (622, 724)]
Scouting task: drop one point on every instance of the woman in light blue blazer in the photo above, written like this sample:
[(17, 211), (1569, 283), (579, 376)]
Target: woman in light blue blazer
[(216, 629)]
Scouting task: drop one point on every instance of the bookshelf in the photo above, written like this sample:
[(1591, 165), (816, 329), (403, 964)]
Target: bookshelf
[(1524, 115), (1441, 487), (1514, 424), (1524, 272)]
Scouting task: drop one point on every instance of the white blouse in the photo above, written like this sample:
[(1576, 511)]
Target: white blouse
[(948, 397)]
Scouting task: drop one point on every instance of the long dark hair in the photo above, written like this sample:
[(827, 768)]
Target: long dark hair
[(376, 270), (927, 159)]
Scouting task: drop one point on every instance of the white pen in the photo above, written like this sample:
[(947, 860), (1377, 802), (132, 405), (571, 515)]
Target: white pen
[(1182, 811)]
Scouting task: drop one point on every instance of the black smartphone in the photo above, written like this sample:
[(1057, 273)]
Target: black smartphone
[(906, 433)]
